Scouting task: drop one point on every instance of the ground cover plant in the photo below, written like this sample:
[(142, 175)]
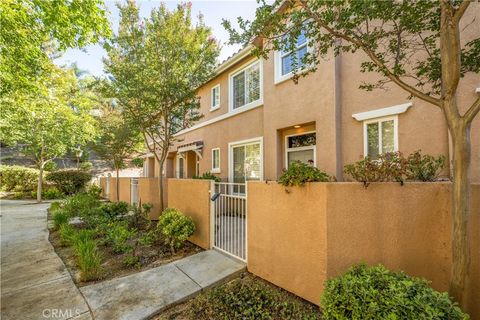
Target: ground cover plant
[(100, 240), (247, 297)]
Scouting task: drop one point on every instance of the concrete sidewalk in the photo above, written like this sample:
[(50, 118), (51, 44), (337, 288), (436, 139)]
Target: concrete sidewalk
[(35, 282), (144, 294)]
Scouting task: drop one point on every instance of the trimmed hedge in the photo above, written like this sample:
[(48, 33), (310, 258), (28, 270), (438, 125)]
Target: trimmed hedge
[(378, 293), (69, 181), (18, 178)]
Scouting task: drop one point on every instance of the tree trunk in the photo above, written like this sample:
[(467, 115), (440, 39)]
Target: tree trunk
[(117, 182), (460, 211), (160, 187), (40, 183)]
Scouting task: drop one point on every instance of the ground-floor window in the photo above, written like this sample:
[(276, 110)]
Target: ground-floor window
[(380, 136), (245, 163), (180, 167), (300, 147)]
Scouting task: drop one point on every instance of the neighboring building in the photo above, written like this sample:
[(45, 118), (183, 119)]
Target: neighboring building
[(256, 120)]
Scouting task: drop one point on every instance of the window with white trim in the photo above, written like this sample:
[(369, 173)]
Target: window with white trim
[(301, 147), (215, 97), (286, 57), (380, 136), (216, 160), (246, 86)]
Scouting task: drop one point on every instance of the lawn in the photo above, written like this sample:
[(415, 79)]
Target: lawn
[(247, 297)]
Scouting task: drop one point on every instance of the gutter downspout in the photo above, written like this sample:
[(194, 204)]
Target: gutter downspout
[(338, 116)]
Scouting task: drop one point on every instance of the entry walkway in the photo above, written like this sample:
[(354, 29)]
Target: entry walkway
[(34, 281), (147, 293)]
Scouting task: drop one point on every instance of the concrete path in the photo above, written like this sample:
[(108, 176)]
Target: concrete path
[(145, 294), (35, 283)]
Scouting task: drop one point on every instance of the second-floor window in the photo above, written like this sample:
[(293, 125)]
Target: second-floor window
[(246, 86), (215, 97), (216, 160), (287, 57)]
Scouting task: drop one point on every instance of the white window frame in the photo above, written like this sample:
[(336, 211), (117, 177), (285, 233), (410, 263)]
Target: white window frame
[(379, 120), (212, 96), (241, 69), (231, 145), (287, 149), (215, 170), (278, 55)]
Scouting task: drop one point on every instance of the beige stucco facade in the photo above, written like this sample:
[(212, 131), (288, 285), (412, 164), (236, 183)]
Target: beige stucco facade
[(323, 102)]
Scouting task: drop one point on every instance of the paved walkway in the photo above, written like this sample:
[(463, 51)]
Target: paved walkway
[(36, 285), (34, 281)]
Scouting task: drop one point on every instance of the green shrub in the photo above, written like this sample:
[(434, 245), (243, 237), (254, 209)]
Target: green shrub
[(50, 166), (148, 238), (83, 235), (137, 162), (85, 166), (60, 217), (80, 204), (69, 181), (298, 173), (18, 178), (50, 193), (119, 235), (249, 298), (54, 206), (67, 234), (377, 293), (94, 191), (88, 259), (424, 168), (176, 228), (388, 167), (207, 176), (115, 209), (19, 195)]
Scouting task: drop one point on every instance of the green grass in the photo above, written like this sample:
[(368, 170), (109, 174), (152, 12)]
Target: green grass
[(89, 259)]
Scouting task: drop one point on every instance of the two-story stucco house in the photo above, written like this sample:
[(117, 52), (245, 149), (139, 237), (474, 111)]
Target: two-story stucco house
[(257, 120)]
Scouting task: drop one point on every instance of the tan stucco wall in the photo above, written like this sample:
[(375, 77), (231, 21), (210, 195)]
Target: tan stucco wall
[(148, 192), (124, 187), (193, 199), (298, 239), (287, 237)]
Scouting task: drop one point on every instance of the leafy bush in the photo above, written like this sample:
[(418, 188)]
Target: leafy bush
[(388, 167), (54, 206), (299, 173), (424, 168), (88, 259), (249, 298), (114, 209), (137, 162), (60, 217), (67, 234), (207, 176), (80, 204), (377, 293), (148, 238), (94, 191), (176, 228), (118, 236), (18, 178), (50, 166), (85, 166), (69, 181), (50, 193), (393, 166), (83, 235)]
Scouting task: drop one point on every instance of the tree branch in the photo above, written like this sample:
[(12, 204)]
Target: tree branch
[(460, 11), (472, 111), (374, 58)]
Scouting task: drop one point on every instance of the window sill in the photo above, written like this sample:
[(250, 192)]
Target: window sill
[(214, 108), (247, 106), (281, 79), (215, 171)]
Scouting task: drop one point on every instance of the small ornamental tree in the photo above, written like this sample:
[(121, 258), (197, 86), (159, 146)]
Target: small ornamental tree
[(414, 45), (156, 66), (49, 121), (117, 140)]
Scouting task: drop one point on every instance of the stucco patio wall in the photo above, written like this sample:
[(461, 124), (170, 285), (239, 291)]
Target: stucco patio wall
[(191, 196), (298, 237)]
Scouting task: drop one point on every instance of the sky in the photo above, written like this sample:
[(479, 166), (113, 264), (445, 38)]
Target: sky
[(90, 57)]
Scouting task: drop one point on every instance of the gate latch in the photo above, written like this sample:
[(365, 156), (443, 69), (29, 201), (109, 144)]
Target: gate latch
[(215, 196)]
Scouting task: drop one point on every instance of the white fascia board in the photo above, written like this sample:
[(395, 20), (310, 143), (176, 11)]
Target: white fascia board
[(383, 112), (477, 90)]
